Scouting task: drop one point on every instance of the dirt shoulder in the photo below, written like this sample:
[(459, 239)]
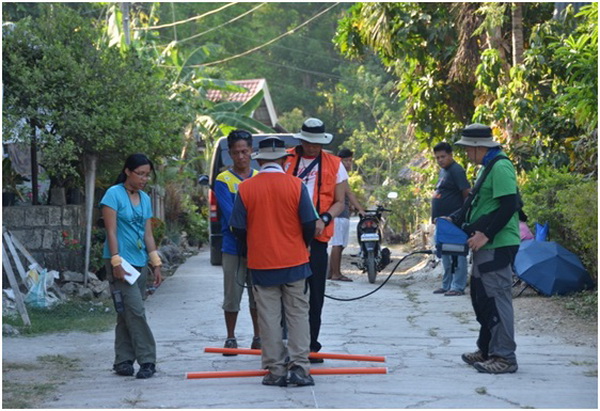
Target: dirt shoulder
[(535, 315)]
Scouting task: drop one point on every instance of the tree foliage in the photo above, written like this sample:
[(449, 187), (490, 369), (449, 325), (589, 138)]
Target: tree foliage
[(82, 96)]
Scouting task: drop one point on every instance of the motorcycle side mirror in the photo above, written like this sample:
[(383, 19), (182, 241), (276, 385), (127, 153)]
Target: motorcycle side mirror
[(203, 180), (392, 195)]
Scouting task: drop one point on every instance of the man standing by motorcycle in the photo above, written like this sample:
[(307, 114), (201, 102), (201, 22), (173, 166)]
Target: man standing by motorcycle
[(450, 193), (324, 177), (339, 240)]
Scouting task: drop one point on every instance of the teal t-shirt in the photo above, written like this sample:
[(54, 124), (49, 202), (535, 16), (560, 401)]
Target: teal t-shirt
[(131, 224), (501, 181)]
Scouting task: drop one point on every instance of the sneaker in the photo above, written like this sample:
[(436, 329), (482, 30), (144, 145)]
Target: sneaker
[(124, 368), (473, 357), (256, 344), (440, 291), (146, 370), (298, 376), (230, 343), (277, 380), (496, 365)]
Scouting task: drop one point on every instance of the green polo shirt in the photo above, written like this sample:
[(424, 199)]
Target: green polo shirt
[(501, 181)]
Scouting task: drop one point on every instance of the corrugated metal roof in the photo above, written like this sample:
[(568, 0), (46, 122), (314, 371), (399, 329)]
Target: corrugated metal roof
[(253, 87)]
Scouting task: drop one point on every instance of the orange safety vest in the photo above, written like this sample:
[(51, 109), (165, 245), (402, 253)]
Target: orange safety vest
[(330, 165), (274, 229)]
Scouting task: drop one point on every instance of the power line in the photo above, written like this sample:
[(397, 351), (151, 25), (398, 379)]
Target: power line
[(269, 42), (219, 26), (300, 51), (175, 23), (316, 73)]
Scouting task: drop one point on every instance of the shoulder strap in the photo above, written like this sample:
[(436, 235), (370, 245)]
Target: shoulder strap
[(460, 215), (484, 174)]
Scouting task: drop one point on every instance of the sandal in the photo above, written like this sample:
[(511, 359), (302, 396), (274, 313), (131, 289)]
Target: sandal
[(342, 278), (453, 293)]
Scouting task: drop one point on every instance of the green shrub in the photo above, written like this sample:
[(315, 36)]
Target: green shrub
[(158, 230), (578, 205), (569, 204), (541, 201)]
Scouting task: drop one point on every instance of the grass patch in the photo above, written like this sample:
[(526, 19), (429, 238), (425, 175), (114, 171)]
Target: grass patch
[(61, 362), (583, 304), (24, 395), (26, 385), (73, 315)]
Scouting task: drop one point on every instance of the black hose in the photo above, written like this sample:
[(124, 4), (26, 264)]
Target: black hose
[(385, 281)]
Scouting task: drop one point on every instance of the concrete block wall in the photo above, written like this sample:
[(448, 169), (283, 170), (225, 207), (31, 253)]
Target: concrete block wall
[(40, 228)]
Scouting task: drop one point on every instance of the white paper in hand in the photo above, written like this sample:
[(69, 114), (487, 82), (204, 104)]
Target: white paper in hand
[(128, 268)]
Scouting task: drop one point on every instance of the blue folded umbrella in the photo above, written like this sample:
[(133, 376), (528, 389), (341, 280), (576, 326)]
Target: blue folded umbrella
[(550, 268)]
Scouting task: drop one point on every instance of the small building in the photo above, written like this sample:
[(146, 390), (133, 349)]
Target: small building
[(265, 113)]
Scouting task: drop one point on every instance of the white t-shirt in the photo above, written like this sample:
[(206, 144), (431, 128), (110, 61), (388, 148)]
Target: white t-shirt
[(310, 179)]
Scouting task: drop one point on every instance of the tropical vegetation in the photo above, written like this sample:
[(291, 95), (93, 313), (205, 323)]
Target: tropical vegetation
[(389, 80)]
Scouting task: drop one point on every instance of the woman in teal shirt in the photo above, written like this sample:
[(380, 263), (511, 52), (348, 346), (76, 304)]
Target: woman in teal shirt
[(127, 211)]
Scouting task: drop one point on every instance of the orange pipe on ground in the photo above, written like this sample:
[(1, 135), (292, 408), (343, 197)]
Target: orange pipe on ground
[(260, 373), (323, 355)]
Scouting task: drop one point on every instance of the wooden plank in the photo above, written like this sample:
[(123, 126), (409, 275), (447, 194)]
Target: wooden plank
[(24, 251), (15, 287), (16, 258)]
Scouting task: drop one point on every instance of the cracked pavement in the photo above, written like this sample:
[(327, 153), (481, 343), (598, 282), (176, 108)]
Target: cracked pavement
[(422, 336)]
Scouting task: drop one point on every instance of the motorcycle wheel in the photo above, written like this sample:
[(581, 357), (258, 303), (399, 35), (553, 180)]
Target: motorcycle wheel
[(371, 270)]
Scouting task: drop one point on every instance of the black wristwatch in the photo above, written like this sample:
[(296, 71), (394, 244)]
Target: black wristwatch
[(326, 217)]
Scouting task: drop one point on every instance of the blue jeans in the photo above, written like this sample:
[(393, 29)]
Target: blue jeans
[(458, 280)]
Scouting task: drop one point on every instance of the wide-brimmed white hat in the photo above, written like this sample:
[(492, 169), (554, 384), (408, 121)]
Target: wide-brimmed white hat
[(271, 148), (313, 131), (477, 135)]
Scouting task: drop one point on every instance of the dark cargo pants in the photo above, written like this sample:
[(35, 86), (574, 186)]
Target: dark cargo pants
[(491, 295), (133, 337)]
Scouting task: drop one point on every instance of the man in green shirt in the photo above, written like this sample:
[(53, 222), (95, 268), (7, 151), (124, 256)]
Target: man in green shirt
[(494, 240)]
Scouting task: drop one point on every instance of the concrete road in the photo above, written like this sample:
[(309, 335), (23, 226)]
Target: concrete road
[(422, 336)]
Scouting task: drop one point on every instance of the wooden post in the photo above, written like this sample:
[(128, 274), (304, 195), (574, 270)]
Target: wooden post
[(15, 256), (15, 287)]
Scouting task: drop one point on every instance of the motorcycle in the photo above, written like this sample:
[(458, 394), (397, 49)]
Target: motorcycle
[(372, 258)]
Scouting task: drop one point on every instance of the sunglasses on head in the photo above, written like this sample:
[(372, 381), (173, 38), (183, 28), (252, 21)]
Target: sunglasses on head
[(243, 134)]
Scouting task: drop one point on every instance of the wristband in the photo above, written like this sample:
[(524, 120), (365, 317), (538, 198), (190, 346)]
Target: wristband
[(155, 258), (115, 260), (326, 217)]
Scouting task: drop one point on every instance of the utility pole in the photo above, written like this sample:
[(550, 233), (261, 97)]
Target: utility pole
[(125, 11)]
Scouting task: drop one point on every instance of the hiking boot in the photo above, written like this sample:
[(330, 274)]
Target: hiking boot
[(276, 380), (230, 343), (473, 357), (124, 368), (496, 365), (298, 376), (256, 344), (146, 370)]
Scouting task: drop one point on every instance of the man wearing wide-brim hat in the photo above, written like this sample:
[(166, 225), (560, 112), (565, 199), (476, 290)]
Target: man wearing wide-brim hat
[(326, 178), (274, 218), (494, 242)]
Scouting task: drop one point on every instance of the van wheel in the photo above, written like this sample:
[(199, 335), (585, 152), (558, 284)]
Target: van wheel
[(215, 255)]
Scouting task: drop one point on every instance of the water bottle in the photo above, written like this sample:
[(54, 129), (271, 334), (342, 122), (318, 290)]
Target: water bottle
[(118, 300)]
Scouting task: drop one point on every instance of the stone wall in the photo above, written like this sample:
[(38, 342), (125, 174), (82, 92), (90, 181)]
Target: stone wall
[(40, 229)]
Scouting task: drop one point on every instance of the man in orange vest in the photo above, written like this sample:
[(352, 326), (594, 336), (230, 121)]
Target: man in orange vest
[(325, 177), (274, 219)]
